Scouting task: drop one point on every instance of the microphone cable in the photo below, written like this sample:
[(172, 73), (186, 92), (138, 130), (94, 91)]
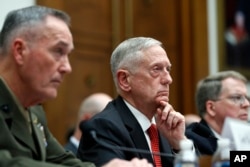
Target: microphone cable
[(135, 150)]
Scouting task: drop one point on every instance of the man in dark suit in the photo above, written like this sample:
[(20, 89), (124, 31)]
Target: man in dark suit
[(141, 72), (221, 95), (34, 46)]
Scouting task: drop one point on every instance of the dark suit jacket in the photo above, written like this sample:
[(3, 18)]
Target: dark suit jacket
[(19, 147), (116, 126), (203, 137)]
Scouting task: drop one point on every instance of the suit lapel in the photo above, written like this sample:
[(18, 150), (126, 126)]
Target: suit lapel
[(137, 135), (39, 135), (134, 128), (140, 142)]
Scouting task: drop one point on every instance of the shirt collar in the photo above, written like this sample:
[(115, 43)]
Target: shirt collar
[(217, 135), (74, 141), (144, 122)]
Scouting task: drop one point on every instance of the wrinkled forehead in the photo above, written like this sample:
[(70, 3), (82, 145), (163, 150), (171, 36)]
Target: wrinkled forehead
[(156, 53), (233, 85), (59, 31)]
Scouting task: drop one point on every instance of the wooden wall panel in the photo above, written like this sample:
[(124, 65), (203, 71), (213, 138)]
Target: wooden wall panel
[(200, 43), (187, 56), (194, 49)]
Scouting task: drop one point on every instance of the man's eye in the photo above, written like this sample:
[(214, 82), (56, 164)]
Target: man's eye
[(168, 69), (60, 51), (156, 68), (237, 98)]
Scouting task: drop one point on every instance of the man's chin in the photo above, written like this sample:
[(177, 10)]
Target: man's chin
[(51, 95), (162, 99), (165, 99)]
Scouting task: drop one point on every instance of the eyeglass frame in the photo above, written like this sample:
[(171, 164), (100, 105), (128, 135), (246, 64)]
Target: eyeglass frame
[(236, 98)]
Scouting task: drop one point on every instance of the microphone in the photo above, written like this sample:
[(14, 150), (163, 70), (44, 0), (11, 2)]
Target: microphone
[(135, 150)]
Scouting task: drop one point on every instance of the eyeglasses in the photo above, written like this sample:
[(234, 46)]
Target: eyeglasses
[(237, 99)]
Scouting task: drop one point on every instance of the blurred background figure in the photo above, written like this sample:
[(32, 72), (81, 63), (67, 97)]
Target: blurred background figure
[(191, 118), (223, 94), (90, 106), (237, 33)]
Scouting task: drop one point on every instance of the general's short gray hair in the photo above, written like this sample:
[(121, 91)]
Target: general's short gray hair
[(23, 21)]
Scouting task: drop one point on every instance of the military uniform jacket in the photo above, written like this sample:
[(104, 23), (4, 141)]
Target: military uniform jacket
[(24, 144)]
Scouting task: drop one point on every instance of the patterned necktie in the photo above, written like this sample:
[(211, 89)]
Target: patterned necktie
[(154, 139)]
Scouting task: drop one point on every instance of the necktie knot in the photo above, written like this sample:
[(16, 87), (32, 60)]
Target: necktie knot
[(152, 132)]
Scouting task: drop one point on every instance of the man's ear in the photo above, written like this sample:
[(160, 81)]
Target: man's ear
[(123, 80), (210, 107), (86, 116), (19, 49)]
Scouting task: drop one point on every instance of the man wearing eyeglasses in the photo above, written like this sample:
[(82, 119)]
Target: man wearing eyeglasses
[(218, 96)]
